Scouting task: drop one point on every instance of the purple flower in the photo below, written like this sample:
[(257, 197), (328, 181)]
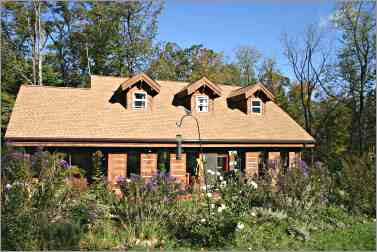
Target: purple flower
[(120, 179), (64, 164), (304, 167), (134, 177), (318, 164), (19, 155)]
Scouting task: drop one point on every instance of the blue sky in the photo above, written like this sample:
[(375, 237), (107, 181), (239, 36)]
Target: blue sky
[(224, 25)]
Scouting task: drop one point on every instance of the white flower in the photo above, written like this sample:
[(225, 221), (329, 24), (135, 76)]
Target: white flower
[(212, 206), (221, 208), (218, 173), (253, 214), (209, 195), (240, 226), (203, 220), (222, 184), (8, 186), (128, 180), (253, 184), (221, 178)]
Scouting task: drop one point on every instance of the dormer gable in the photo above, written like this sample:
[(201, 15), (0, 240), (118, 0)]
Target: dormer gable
[(205, 85), (136, 93), (250, 99), (198, 96), (142, 81)]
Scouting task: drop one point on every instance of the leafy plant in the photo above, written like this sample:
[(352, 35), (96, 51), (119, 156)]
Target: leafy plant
[(357, 184), (303, 188)]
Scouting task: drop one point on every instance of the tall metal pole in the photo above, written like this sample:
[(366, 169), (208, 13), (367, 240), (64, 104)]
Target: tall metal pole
[(200, 155)]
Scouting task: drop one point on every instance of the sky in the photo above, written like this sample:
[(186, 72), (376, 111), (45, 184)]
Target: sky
[(225, 25)]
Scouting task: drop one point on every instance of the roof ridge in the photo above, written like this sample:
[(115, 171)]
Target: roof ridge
[(187, 82), (111, 76), (47, 86)]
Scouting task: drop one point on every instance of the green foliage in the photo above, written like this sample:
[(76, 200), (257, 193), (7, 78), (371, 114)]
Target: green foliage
[(154, 198), (241, 194), (34, 203), (43, 213), (357, 184), (303, 188), (97, 174)]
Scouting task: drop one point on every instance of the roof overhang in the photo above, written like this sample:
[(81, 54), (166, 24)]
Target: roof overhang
[(161, 142)]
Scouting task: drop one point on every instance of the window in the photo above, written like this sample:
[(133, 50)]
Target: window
[(139, 100), (256, 106), (202, 104)]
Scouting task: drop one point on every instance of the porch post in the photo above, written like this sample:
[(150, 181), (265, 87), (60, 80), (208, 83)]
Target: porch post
[(178, 168), (274, 165), (117, 166), (148, 165), (251, 164), (294, 158)]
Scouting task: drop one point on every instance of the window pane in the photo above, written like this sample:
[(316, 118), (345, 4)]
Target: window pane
[(139, 96), (256, 103), (256, 109), (139, 104)]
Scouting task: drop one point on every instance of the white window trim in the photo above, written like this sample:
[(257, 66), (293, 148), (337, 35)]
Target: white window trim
[(134, 99), (197, 103), (251, 106)]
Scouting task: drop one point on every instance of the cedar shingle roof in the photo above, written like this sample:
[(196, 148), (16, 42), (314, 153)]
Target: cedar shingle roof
[(56, 112)]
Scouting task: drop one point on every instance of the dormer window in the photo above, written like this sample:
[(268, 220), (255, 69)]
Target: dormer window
[(256, 106), (202, 103), (139, 100)]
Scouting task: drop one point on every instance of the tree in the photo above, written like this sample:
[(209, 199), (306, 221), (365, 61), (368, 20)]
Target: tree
[(273, 79), (189, 64), (64, 55), (138, 27), (309, 62), (357, 67), (246, 59), (118, 35)]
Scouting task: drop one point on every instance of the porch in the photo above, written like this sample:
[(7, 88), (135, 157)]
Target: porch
[(147, 163)]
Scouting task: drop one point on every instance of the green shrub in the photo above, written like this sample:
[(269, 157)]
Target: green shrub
[(195, 227), (37, 195), (357, 184), (303, 188), (240, 194)]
